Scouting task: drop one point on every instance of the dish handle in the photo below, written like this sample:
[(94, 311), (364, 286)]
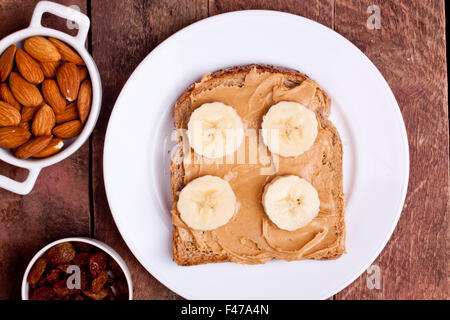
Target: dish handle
[(63, 12), (22, 188)]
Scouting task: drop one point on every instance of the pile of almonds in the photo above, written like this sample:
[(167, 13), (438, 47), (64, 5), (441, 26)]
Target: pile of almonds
[(45, 97)]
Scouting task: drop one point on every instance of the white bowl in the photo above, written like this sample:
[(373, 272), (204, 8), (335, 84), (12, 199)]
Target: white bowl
[(36, 29), (102, 246)]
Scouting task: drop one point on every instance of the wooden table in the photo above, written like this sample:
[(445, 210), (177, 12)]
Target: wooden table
[(69, 198)]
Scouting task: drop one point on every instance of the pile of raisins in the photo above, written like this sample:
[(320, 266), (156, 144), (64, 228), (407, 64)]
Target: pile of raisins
[(101, 278)]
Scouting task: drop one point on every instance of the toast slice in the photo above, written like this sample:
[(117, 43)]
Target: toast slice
[(192, 247)]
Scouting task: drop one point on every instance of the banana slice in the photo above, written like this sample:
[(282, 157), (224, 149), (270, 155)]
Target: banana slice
[(206, 203), (215, 130), (290, 202), (289, 128)]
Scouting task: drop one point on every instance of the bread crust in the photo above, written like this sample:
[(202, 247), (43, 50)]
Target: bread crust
[(185, 252)]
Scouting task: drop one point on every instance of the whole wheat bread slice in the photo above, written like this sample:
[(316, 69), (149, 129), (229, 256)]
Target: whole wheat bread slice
[(185, 250)]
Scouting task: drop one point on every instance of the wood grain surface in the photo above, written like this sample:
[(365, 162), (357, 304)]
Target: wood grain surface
[(58, 206), (409, 49)]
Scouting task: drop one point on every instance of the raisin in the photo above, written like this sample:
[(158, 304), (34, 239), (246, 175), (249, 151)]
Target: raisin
[(54, 276), (99, 282), (96, 295), (37, 271), (116, 269), (101, 276), (41, 283), (63, 267), (85, 279), (82, 246), (43, 293), (62, 290), (97, 263), (81, 259), (61, 253)]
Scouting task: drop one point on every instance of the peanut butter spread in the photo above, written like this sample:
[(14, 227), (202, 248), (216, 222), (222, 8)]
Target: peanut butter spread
[(250, 237)]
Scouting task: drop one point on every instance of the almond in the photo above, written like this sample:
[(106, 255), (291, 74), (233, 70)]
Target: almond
[(84, 100), (53, 96), (6, 95), (28, 113), (25, 93), (43, 122), (83, 73), (7, 62), (67, 54), (70, 113), (53, 147), (49, 68), (32, 147), (41, 49), (29, 68), (25, 125), (68, 130), (68, 79), (12, 137), (9, 116)]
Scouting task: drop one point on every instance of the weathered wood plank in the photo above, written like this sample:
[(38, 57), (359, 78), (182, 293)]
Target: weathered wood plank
[(409, 50), (58, 206), (123, 33), (317, 10)]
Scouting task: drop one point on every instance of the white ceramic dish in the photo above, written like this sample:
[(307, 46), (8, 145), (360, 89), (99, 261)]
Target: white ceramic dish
[(376, 157), (78, 43), (102, 246)]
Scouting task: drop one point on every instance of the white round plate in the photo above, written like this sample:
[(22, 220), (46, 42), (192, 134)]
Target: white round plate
[(376, 157)]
